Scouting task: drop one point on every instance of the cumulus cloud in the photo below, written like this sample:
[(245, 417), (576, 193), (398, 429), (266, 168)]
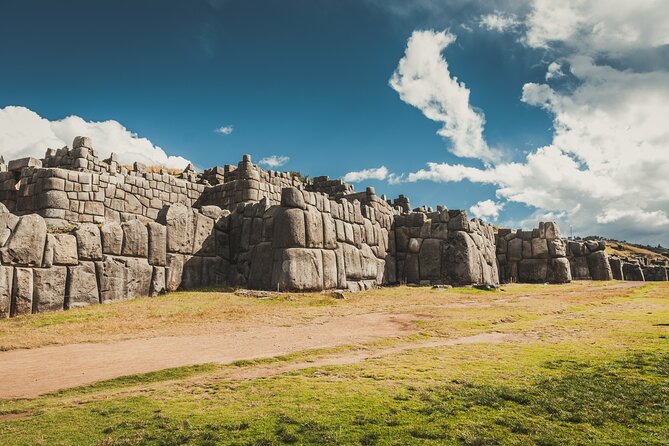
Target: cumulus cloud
[(605, 170), (499, 22), (486, 209), (423, 80), (225, 130), (593, 26), (274, 161), (378, 173), (25, 133)]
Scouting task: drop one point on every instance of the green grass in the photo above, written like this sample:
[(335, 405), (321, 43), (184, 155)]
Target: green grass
[(593, 370)]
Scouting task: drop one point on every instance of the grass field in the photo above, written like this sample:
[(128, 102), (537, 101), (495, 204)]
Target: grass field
[(580, 364)]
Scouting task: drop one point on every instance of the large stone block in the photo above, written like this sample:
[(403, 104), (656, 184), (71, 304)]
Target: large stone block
[(289, 228), (616, 268), (298, 269), (82, 286), (329, 232), (598, 264), (135, 239), (6, 280), (174, 271), (341, 267), (139, 275), (89, 245), (204, 238), (65, 249), (330, 274), (179, 222), (112, 275), (49, 289), (633, 271), (22, 291), (26, 244), (557, 248), (539, 248), (412, 268), (260, 274), (460, 261), (313, 227), (158, 281), (549, 230), (430, 259), (192, 273), (293, 198), (112, 238), (157, 244), (655, 273), (559, 271), (514, 252), (579, 268), (533, 271), (353, 262)]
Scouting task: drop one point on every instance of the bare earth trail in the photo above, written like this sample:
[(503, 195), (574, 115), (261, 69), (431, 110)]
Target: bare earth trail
[(29, 373)]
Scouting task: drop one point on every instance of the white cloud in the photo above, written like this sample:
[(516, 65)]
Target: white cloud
[(499, 22), (554, 71), (25, 133), (423, 80), (486, 209), (605, 171), (225, 130), (274, 161), (592, 26), (379, 173)]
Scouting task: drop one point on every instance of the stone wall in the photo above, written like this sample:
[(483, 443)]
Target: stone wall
[(444, 247), (588, 260), (535, 256), (633, 270), (308, 242), (90, 264)]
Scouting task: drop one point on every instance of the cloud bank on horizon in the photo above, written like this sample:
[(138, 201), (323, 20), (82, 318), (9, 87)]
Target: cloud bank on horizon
[(24, 133), (605, 171)]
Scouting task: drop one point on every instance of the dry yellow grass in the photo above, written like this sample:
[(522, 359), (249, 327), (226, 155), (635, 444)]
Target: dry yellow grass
[(455, 311)]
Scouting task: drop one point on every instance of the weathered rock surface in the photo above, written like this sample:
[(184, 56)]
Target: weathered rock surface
[(89, 245), (49, 288), (82, 286), (26, 243)]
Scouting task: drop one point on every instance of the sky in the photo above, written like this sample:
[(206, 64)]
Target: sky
[(518, 111)]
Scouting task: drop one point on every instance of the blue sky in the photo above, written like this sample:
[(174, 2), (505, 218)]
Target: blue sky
[(308, 80)]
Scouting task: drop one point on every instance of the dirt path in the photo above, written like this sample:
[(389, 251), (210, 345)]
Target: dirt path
[(352, 358), (29, 373)]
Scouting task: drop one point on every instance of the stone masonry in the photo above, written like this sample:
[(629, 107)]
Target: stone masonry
[(76, 230)]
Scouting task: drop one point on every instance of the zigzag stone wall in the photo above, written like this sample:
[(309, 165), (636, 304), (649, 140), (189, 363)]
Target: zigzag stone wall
[(77, 230)]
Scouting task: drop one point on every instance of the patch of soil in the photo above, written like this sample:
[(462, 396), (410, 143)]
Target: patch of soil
[(30, 373)]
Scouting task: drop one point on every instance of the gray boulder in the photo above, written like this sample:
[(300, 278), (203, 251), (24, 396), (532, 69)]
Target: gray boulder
[(112, 275), (179, 221), (135, 239), (174, 271), (430, 259), (204, 238), (298, 269), (559, 271), (616, 268), (289, 228), (82, 286), (89, 245), (26, 244), (6, 280), (158, 281), (22, 291), (598, 264), (65, 249), (157, 243), (293, 198), (49, 288), (112, 238), (533, 270), (633, 271)]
